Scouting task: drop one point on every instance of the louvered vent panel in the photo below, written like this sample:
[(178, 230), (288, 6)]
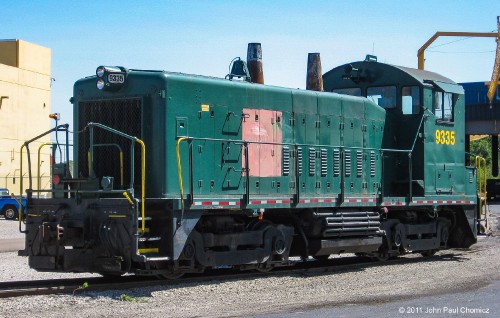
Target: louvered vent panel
[(286, 161), (359, 163), (299, 159), (372, 164), (348, 163), (324, 162), (312, 161), (336, 162)]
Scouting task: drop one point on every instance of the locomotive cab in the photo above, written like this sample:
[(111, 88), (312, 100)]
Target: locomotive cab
[(424, 138), (424, 110)]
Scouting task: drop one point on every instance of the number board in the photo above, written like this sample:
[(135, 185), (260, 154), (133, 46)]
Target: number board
[(116, 78), (445, 137)]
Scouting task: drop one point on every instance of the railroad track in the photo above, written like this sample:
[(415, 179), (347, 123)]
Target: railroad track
[(77, 286)]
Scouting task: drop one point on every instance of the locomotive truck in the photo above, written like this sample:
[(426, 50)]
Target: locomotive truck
[(176, 173)]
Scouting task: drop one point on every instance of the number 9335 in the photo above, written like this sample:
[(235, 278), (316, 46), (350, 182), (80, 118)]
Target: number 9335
[(445, 137)]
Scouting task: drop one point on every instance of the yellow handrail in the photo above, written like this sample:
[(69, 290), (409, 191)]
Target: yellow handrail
[(39, 183), (143, 183), (121, 169), (20, 201), (179, 168), (483, 208)]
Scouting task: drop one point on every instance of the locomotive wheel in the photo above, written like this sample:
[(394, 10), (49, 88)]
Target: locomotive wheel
[(399, 234)]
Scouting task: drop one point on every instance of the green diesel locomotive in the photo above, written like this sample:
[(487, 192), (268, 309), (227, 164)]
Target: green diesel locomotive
[(177, 173)]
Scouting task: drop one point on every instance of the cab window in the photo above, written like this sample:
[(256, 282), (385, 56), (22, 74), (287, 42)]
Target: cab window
[(410, 100), (354, 91), (444, 104), (384, 96)]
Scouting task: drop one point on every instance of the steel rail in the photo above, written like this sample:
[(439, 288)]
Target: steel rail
[(75, 286)]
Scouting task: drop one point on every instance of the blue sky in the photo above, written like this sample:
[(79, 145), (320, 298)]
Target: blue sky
[(202, 37)]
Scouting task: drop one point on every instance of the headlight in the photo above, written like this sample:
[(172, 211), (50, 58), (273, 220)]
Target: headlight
[(100, 71), (100, 83), (110, 78)]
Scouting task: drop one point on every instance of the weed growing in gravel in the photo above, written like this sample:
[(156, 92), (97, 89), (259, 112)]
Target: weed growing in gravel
[(85, 285), (132, 299)]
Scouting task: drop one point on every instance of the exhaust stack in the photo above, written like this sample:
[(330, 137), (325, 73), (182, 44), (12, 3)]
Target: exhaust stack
[(314, 80), (254, 62)]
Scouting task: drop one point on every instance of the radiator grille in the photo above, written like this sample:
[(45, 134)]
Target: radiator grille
[(123, 115)]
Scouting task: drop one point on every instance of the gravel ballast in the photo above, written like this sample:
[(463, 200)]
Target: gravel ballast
[(450, 271)]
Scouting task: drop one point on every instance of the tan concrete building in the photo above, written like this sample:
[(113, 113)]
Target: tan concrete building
[(25, 81)]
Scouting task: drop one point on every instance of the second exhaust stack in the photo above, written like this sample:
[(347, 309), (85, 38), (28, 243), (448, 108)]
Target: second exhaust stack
[(314, 80), (254, 62)]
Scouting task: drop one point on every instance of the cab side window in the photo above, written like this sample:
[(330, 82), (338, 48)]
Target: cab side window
[(384, 96), (410, 100), (444, 104)]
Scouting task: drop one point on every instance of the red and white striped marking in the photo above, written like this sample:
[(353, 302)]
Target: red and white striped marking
[(442, 202), (347, 200), (398, 203), (218, 203), (360, 200), (305, 201), (270, 201)]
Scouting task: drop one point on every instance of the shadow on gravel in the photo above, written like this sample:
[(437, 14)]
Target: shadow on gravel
[(315, 269)]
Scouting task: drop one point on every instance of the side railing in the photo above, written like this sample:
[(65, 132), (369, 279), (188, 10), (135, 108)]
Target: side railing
[(26, 145), (246, 165), (129, 193), (39, 164)]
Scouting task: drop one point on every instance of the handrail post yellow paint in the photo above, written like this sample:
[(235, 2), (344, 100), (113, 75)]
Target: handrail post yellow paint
[(483, 207), (143, 182), (20, 201), (121, 169), (127, 196), (179, 168), (88, 160), (39, 184)]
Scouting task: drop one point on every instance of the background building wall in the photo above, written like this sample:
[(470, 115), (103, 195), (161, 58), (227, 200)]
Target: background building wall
[(25, 81)]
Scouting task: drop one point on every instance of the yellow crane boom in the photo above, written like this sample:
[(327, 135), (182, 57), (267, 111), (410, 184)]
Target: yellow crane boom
[(495, 77)]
